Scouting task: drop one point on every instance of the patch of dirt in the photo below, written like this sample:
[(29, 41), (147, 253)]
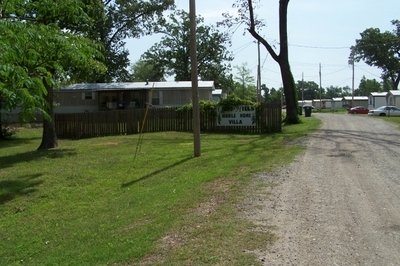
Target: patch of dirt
[(218, 190), (339, 202)]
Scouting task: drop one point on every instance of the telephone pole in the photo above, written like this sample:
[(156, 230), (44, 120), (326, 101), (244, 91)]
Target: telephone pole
[(259, 75), (302, 88), (320, 89), (195, 83), (352, 82)]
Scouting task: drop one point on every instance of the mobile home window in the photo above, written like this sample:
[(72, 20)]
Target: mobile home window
[(88, 95), (155, 98)]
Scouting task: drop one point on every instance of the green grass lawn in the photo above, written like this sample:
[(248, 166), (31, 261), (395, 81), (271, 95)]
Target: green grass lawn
[(91, 202), (393, 120)]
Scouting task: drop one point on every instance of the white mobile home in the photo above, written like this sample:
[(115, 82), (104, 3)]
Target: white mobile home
[(128, 95), (393, 98), (377, 99), (305, 102), (337, 103), (322, 104), (351, 101)]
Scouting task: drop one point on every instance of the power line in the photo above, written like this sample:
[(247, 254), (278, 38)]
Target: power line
[(320, 47), (368, 72), (243, 47)]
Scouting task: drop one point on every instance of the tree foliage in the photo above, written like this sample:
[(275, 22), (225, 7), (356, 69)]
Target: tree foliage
[(171, 56), (37, 53), (145, 70), (117, 20), (367, 86), (382, 50), (308, 89), (271, 95), (335, 92), (246, 15), (244, 86)]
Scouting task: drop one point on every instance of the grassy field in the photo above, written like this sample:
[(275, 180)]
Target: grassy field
[(93, 202), (392, 120)]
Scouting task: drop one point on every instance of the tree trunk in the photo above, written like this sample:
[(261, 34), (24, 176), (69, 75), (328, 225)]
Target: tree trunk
[(396, 81), (1, 125), (1, 122), (289, 86), (292, 115), (49, 137)]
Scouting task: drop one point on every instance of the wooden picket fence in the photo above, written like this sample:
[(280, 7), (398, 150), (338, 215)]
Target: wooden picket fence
[(126, 122)]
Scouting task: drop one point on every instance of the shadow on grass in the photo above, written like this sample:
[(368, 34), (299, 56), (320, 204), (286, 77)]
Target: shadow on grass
[(12, 142), (29, 156), (155, 172), (19, 186)]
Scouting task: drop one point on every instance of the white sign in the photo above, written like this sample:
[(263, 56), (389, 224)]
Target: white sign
[(243, 115)]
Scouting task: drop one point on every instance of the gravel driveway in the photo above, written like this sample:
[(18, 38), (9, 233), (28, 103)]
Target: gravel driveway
[(339, 202)]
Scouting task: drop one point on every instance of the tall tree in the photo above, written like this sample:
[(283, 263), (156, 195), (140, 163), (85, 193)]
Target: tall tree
[(144, 70), (367, 86), (271, 95), (308, 89), (123, 19), (334, 92), (172, 53), (37, 53), (248, 17), (382, 50), (245, 88)]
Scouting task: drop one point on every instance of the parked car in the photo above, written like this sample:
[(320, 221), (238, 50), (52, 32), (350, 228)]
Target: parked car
[(358, 110), (385, 111)]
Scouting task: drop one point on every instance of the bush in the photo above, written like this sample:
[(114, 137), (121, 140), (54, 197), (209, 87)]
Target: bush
[(7, 132), (227, 104)]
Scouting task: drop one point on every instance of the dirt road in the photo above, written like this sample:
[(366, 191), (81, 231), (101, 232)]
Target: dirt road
[(339, 202)]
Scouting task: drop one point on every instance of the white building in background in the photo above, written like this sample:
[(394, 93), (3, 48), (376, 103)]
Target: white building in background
[(393, 98), (377, 99)]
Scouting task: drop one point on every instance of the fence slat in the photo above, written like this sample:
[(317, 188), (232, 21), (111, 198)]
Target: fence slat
[(121, 122)]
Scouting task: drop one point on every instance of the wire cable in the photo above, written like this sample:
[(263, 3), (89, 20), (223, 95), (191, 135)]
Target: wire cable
[(140, 140)]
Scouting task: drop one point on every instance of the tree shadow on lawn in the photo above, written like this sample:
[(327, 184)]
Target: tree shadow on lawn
[(29, 156), (155, 172), (14, 141), (23, 185)]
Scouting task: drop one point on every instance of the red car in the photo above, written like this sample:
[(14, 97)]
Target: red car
[(358, 110)]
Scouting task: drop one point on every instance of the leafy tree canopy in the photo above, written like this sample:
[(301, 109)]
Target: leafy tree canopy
[(145, 70), (382, 50), (308, 90), (40, 49), (271, 95), (367, 86), (335, 92), (36, 51), (116, 20), (244, 85), (171, 56)]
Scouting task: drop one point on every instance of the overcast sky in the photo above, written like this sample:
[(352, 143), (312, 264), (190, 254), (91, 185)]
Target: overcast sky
[(320, 32)]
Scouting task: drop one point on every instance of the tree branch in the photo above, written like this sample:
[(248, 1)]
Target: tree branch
[(123, 27), (253, 32)]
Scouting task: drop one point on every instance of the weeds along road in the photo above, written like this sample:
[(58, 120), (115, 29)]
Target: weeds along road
[(339, 202)]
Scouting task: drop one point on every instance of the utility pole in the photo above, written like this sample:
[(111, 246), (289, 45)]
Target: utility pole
[(352, 82), (195, 83), (302, 87), (259, 75), (320, 89)]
